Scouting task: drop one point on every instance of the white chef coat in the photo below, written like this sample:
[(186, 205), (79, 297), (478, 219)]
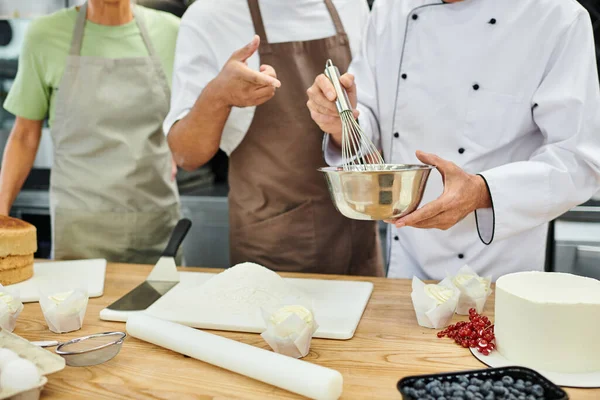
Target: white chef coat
[(211, 30), (507, 89)]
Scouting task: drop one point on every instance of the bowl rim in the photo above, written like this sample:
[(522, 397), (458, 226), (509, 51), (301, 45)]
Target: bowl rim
[(401, 168)]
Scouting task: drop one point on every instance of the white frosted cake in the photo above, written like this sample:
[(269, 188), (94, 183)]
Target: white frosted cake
[(549, 321)]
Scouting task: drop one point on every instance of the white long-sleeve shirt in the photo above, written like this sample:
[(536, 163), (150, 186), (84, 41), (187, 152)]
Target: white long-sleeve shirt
[(506, 89), (211, 30)]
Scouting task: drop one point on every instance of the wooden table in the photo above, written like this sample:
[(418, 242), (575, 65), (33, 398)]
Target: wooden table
[(388, 345)]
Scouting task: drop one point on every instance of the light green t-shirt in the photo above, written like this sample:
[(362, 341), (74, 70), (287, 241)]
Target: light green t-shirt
[(46, 47)]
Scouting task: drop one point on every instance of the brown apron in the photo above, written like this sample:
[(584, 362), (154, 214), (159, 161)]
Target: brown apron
[(281, 214)]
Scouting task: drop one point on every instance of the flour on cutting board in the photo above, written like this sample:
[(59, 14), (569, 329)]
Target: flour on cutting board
[(243, 289)]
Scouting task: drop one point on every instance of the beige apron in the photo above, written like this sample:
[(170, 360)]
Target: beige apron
[(281, 214), (111, 195)]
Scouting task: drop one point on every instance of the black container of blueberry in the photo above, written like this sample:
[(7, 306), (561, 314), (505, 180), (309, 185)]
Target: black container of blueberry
[(506, 383)]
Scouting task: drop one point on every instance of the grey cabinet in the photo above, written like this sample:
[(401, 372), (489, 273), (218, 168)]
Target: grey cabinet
[(207, 243)]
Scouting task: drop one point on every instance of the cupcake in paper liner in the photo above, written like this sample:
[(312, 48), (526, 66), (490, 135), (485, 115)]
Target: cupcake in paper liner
[(290, 328), (434, 304), (474, 290), (64, 309), (10, 308)]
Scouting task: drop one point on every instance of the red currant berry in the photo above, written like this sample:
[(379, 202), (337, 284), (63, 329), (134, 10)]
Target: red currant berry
[(485, 352), (483, 343)]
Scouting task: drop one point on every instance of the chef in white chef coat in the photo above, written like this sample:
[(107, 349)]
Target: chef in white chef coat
[(504, 98)]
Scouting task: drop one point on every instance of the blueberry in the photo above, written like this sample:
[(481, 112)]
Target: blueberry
[(530, 397), (464, 384), (458, 393), (521, 397), (537, 391), (521, 381), (421, 393), (437, 392), (469, 396), (462, 378), (486, 387), (420, 384), (528, 384), (455, 386), (498, 384), (508, 380), (514, 391), (490, 396), (441, 398), (473, 388), (520, 386), (500, 390), (478, 395)]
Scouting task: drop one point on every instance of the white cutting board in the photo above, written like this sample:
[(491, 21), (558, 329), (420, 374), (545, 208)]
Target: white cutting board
[(60, 274), (338, 307)]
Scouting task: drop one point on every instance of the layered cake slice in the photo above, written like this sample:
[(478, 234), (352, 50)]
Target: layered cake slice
[(18, 243), (549, 321)]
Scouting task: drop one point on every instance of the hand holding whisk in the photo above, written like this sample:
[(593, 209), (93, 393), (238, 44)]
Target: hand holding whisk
[(358, 150)]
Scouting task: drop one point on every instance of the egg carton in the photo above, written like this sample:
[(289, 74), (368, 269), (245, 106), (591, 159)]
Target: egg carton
[(46, 362)]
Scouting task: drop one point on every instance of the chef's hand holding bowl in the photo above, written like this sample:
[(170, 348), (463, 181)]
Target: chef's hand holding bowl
[(463, 192)]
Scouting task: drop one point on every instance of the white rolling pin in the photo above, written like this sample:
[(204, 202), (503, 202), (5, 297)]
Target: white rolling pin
[(288, 373)]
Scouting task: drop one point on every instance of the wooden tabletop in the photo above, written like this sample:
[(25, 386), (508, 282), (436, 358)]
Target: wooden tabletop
[(388, 345)]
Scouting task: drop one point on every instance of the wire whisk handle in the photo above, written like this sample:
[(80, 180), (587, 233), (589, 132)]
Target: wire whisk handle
[(342, 101)]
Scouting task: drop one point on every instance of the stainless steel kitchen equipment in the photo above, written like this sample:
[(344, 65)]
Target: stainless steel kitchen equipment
[(357, 148), (88, 350), (576, 241), (377, 192), (164, 275)]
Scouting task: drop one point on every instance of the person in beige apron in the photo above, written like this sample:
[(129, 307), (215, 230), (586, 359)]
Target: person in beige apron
[(281, 214), (111, 194)]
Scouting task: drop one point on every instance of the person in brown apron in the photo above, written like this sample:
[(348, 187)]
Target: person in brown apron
[(281, 214)]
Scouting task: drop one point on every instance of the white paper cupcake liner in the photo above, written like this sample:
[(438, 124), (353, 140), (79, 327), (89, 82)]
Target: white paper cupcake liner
[(9, 313), (291, 337), (66, 316), (429, 313)]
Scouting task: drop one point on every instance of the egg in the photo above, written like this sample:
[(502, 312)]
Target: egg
[(7, 356), (19, 374)]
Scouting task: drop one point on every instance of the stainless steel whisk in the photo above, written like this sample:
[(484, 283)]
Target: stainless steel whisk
[(357, 149)]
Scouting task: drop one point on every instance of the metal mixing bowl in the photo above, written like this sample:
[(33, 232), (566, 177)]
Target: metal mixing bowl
[(377, 192)]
